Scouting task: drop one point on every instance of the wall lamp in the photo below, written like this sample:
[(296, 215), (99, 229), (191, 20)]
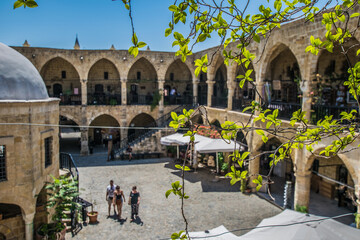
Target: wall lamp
[(161, 60), (33, 56), (81, 58), (124, 58)]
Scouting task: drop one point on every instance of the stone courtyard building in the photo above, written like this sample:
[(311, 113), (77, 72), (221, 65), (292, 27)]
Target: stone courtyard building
[(28, 153), (111, 88)]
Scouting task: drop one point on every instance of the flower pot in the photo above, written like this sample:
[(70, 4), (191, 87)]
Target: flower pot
[(92, 216)]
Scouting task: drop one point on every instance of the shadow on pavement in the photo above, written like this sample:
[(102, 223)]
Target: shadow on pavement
[(209, 181)]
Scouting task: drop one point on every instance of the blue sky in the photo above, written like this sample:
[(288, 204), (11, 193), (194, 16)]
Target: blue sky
[(98, 23)]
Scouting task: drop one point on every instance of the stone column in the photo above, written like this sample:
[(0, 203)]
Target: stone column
[(84, 92), (210, 84), (230, 96), (306, 99), (29, 225), (84, 142), (254, 169), (302, 188), (161, 83), (123, 92), (195, 90), (84, 133)]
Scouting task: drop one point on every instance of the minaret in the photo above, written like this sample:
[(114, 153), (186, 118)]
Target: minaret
[(77, 45), (112, 47), (26, 44)]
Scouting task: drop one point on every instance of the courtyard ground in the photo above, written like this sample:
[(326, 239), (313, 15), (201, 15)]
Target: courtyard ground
[(210, 204)]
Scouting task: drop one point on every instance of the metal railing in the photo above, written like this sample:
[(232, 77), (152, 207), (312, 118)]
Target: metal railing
[(285, 109), (178, 100), (219, 102), (320, 111), (104, 99), (134, 99), (67, 162), (71, 99), (140, 135)]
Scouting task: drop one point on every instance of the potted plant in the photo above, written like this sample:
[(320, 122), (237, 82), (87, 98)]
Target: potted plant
[(93, 214), (61, 194)]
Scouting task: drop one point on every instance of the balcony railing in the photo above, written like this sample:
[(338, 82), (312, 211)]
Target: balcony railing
[(178, 100), (68, 99), (320, 111), (134, 99), (219, 102), (104, 99), (285, 109)]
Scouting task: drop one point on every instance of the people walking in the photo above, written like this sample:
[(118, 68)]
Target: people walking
[(134, 201), (118, 200), (110, 196)]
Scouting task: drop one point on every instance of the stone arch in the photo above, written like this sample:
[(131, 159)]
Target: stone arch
[(71, 118), (215, 123), (60, 71), (284, 168), (197, 119), (245, 95), (271, 52), (140, 120), (331, 72), (178, 83), (41, 216), (220, 89), (282, 72), (100, 135), (342, 157), (142, 81), (11, 211), (103, 86)]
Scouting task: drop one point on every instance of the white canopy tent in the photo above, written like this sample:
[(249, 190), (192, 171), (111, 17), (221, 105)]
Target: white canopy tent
[(219, 233), (202, 144), (294, 225), (288, 225)]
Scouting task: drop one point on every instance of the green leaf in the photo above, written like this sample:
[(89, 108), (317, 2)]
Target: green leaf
[(258, 187), (168, 32), (355, 15), (134, 39), (18, 4), (31, 4), (168, 192), (173, 8), (141, 44)]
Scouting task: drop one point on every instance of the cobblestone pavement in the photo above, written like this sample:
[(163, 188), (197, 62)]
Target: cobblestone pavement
[(210, 205)]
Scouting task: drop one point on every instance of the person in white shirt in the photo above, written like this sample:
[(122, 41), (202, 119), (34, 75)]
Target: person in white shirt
[(110, 196)]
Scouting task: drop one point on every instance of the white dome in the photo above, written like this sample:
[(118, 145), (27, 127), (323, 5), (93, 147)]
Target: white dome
[(19, 79)]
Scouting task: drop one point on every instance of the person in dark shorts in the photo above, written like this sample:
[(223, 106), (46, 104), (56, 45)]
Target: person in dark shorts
[(134, 201), (110, 196), (129, 150), (118, 200)]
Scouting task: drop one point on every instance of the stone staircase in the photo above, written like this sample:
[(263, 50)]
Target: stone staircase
[(149, 140)]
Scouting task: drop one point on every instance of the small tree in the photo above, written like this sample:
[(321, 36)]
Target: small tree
[(61, 192)]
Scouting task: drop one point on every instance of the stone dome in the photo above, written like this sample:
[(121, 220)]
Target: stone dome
[(19, 79)]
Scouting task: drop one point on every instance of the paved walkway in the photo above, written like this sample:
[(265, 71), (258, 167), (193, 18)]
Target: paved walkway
[(210, 204)]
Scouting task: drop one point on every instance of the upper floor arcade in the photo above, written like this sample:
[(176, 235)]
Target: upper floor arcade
[(285, 76)]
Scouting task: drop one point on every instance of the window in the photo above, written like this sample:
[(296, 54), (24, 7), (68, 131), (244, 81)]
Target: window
[(138, 76), (106, 75), (63, 74), (171, 76), (48, 151), (2, 163)]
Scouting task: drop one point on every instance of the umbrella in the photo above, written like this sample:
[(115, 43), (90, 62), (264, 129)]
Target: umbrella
[(294, 225), (219, 233)]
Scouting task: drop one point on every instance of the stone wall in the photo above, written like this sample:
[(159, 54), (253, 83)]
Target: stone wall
[(13, 228)]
